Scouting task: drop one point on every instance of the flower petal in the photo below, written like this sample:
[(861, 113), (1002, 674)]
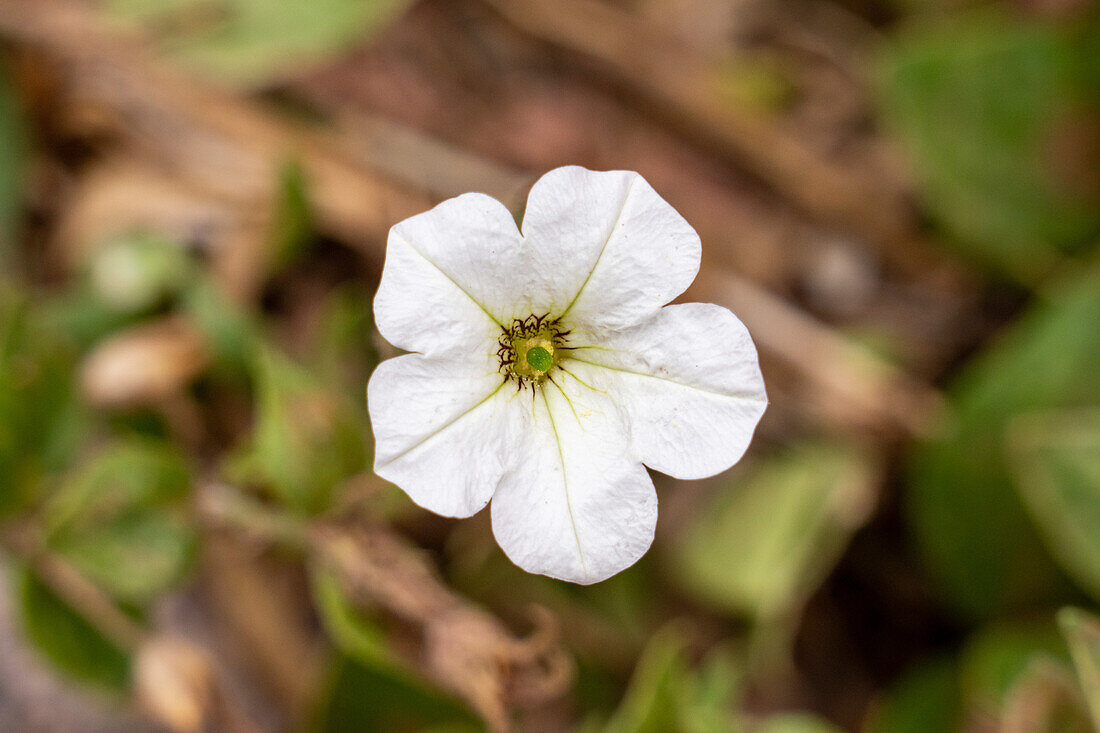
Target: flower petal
[(617, 250), (443, 430), (689, 379), (575, 505), (448, 274)]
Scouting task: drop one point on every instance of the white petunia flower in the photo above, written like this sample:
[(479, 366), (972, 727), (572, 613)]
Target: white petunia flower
[(549, 369)]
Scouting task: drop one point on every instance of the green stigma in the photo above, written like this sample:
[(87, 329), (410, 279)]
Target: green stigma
[(539, 359)]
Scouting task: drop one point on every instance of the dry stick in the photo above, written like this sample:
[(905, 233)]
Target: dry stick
[(262, 611), (684, 87), (466, 649)]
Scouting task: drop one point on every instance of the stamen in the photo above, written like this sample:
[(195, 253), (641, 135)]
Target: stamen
[(530, 348)]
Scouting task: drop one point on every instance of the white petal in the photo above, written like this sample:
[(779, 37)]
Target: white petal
[(576, 505), (443, 430), (689, 379), (617, 250), (448, 273)]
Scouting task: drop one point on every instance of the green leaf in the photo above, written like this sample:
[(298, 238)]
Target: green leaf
[(979, 101), (130, 473), (650, 702), (135, 557), (770, 537), (665, 696), (1082, 633), (84, 318), (115, 520), (968, 519), (359, 698), (293, 229), (344, 351), (356, 635), (388, 695), (795, 723), (306, 440), (755, 82), (1057, 456), (40, 415), (255, 42), (138, 271), (994, 659), (232, 335), (66, 639), (926, 698)]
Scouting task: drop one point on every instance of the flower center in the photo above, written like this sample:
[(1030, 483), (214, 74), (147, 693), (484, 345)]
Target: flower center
[(534, 356), (530, 348)]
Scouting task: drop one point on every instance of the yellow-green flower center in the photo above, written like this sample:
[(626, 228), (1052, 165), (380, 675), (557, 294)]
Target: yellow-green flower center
[(534, 356), (530, 348)]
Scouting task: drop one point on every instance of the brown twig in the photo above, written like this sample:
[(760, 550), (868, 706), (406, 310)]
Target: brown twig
[(465, 649)]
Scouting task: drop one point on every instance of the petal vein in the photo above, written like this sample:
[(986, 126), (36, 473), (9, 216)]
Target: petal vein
[(441, 428)]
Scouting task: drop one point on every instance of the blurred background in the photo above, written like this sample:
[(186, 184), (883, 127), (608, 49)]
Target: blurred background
[(900, 198)]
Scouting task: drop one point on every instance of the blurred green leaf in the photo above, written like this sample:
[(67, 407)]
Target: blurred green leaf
[(139, 270), (355, 634), (232, 335), (66, 639), (134, 557), (293, 229), (397, 698), (83, 318), (1058, 472), (759, 83), (115, 522), (307, 439), (979, 100), (1082, 633), (767, 541), (970, 524), (40, 414), (344, 351), (127, 474), (926, 698), (795, 723), (13, 152), (254, 42), (359, 698), (665, 696), (993, 660)]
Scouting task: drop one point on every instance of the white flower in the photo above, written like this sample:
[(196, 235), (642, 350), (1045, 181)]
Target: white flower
[(549, 369)]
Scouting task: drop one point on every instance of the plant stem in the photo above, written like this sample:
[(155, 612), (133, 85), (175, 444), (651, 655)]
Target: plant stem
[(224, 505), (84, 596)]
